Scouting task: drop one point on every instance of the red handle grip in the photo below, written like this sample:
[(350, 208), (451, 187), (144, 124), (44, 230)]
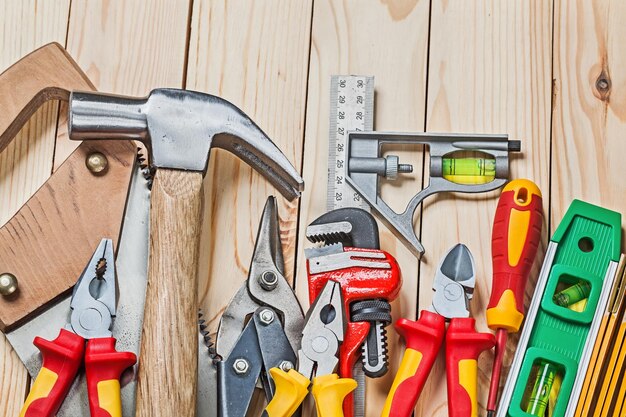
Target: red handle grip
[(463, 347), (104, 366), (423, 341), (515, 239), (61, 359)]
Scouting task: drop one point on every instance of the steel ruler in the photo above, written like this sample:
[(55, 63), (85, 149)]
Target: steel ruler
[(351, 109)]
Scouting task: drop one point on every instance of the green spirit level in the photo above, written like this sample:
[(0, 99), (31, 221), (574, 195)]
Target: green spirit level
[(556, 342)]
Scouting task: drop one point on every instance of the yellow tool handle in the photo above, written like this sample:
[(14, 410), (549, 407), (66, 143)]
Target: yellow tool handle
[(329, 392), (291, 390)]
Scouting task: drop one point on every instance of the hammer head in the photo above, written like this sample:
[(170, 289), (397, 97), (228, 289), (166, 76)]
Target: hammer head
[(179, 128)]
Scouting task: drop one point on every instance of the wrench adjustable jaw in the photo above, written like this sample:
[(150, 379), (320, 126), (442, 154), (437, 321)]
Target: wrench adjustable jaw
[(369, 279)]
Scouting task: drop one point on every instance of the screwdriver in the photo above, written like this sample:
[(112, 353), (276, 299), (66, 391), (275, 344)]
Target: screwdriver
[(514, 242)]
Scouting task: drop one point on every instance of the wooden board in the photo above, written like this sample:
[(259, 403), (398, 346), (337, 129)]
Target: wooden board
[(504, 86), (38, 234), (95, 32), (589, 105), (445, 65), (343, 43), (255, 57), (27, 162)]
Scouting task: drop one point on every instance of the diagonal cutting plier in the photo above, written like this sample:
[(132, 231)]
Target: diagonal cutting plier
[(318, 358), (87, 336), (454, 286)]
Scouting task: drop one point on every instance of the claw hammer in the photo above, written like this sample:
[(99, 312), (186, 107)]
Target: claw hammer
[(179, 128)]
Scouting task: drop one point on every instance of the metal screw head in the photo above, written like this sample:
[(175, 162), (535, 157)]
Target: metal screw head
[(97, 163), (8, 284), (241, 366), (286, 366), (393, 167), (266, 316), (268, 280)]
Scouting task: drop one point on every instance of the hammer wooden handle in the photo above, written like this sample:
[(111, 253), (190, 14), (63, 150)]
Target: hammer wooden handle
[(168, 359)]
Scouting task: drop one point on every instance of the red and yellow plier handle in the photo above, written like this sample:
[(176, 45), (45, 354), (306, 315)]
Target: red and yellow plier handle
[(62, 358), (424, 338), (292, 388)]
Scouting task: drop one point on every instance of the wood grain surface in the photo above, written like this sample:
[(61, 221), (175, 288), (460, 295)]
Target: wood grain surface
[(548, 72), (343, 43), (589, 65), (27, 162), (70, 204), (254, 55), (168, 370), (504, 87)]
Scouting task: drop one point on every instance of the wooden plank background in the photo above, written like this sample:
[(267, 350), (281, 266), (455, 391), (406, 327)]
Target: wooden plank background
[(549, 72)]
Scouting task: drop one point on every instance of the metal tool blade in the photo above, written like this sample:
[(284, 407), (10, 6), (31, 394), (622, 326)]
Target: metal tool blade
[(132, 266)]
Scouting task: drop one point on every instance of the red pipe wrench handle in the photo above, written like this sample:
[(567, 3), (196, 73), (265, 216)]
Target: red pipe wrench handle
[(104, 366), (463, 347), (61, 359), (424, 338)]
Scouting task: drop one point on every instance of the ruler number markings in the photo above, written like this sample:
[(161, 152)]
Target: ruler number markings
[(351, 110)]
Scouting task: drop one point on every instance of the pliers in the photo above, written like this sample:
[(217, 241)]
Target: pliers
[(261, 327), (317, 361), (453, 285), (87, 335)]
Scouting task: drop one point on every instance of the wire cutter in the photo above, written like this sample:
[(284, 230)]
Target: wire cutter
[(454, 286), (261, 327), (87, 335), (318, 358)]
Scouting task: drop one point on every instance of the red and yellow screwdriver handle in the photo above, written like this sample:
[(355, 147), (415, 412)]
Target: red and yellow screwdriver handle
[(62, 358), (423, 338), (328, 391), (463, 347), (515, 239), (103, 367)]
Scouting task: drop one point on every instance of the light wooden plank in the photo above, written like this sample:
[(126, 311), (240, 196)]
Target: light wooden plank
[(389, 41), (589, 116), (489, 72), (27, 163), (127, 47), (254, 55)]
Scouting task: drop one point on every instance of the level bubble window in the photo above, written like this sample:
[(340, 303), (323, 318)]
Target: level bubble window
[(469, 167), (542, 387)]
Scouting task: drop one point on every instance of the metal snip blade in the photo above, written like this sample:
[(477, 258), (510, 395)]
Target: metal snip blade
[(132, 265)]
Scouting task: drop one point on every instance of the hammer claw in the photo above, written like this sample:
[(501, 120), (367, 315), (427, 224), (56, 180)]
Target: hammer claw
[(179, 128)]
